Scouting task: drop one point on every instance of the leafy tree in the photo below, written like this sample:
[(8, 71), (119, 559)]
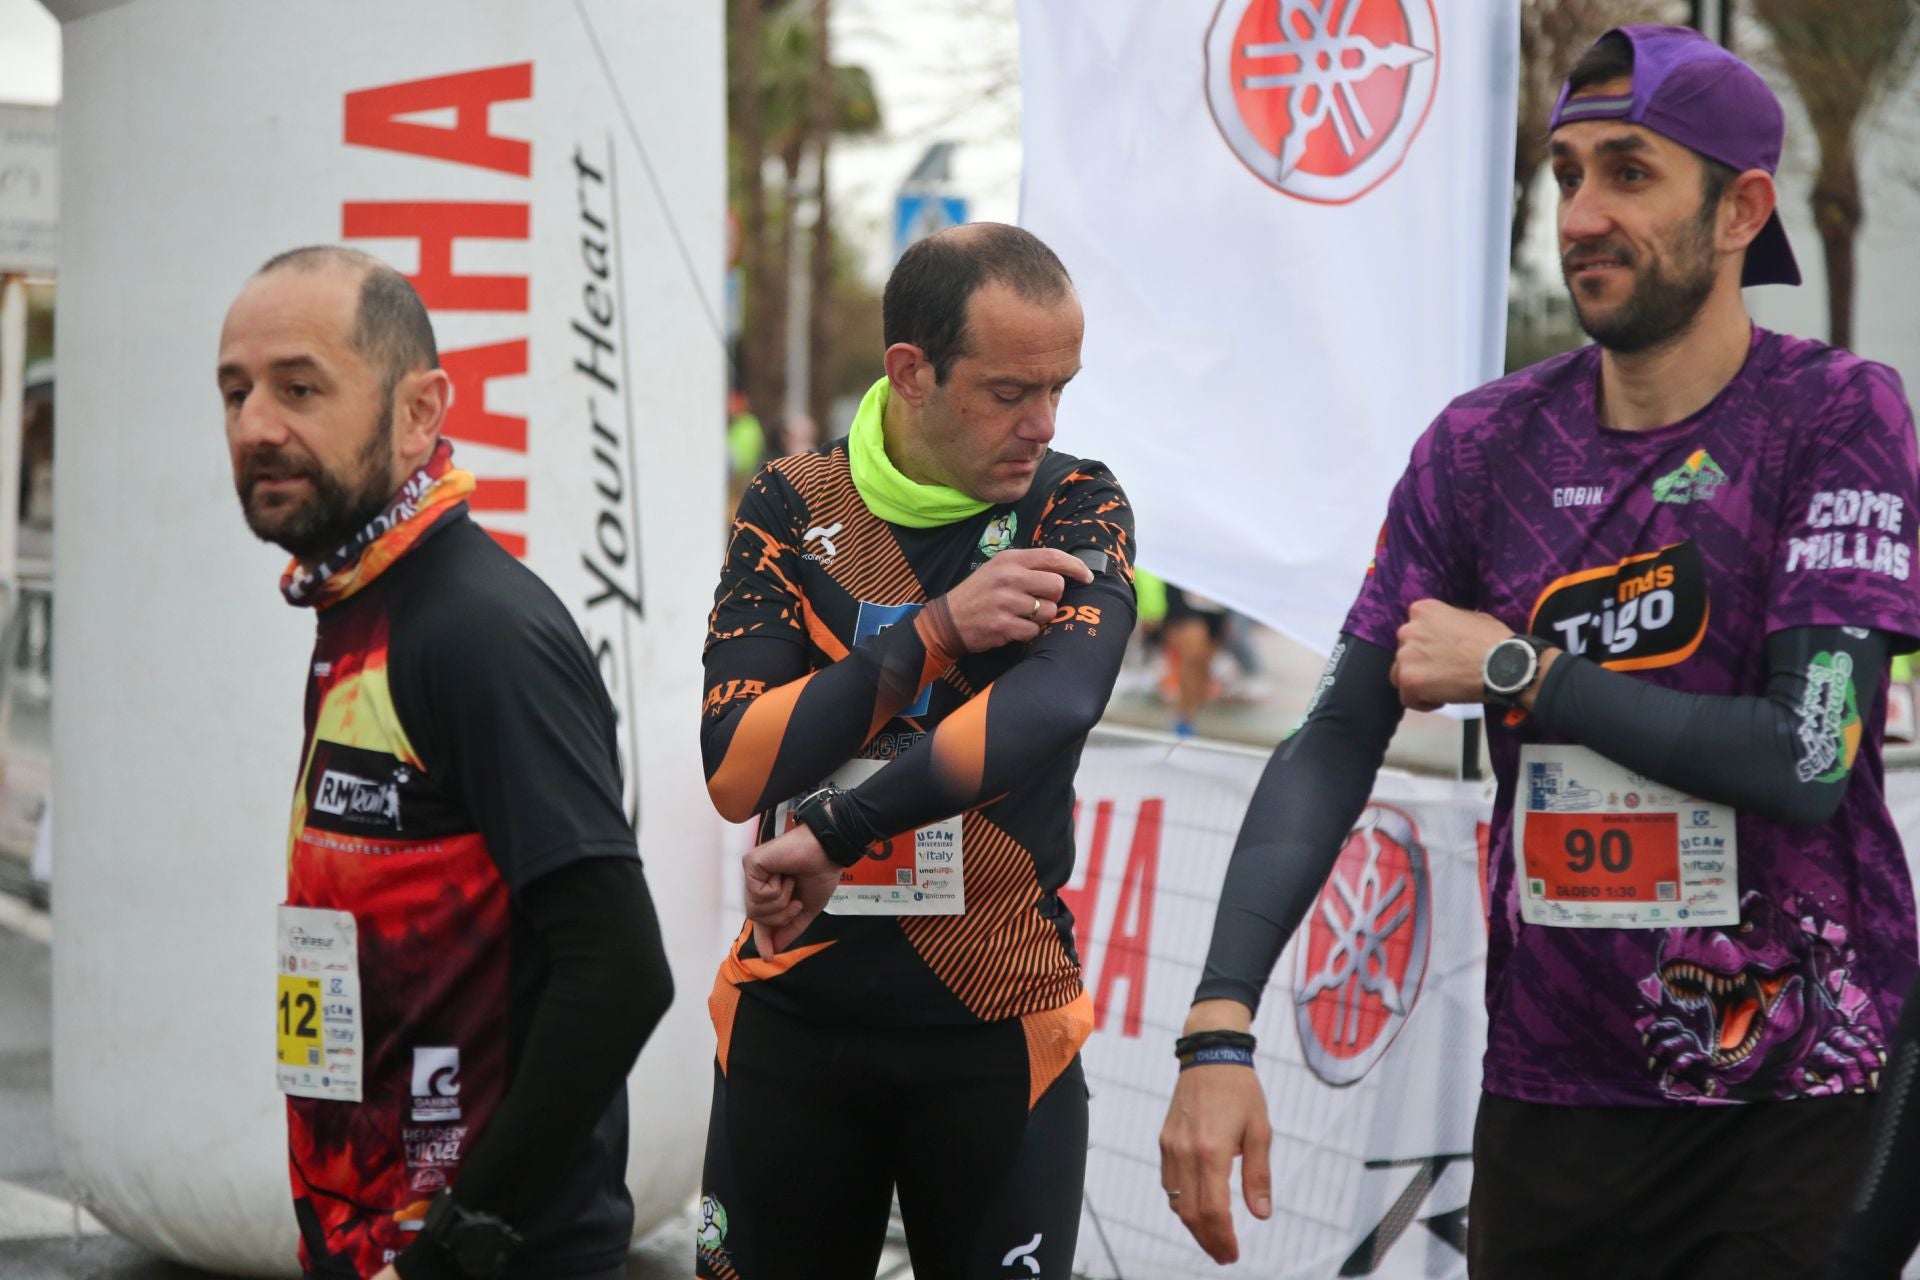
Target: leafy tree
[(1842, 56), (786, 102)]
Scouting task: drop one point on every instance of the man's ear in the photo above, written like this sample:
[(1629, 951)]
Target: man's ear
[(1747, 204), (910, 373), (420, 409)]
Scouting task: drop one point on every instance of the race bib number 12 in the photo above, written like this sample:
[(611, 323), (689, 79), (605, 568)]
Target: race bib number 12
[(318, 1005)]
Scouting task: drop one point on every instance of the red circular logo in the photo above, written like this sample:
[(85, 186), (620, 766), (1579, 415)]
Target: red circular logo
[(1360, 960), (1322, 98)]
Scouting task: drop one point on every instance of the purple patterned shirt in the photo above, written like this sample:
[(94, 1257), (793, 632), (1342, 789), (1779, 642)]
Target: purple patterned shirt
[(1789, 501)]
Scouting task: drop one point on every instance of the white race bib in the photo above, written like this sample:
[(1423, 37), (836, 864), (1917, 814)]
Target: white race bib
[(1597, 846), (321, 1050), (919, 875)]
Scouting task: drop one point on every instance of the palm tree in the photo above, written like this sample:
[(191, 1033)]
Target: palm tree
[(1842, 57), (788, 100)]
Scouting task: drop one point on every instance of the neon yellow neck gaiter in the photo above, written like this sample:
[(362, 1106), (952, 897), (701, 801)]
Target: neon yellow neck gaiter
[(888, 493)]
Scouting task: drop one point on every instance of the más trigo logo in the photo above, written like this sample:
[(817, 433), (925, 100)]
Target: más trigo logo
[(1321, 99), (1645, 611), (1359, 965)]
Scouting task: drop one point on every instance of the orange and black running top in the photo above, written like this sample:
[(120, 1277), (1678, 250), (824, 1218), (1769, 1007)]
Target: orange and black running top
[(807, 668)]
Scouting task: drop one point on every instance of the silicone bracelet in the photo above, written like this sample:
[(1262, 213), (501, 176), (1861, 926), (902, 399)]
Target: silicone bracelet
[(1217, 1055)]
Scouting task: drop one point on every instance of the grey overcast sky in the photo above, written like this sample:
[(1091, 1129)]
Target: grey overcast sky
[(29, 53)]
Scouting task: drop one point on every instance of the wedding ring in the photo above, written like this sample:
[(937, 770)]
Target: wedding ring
[(1035, 611)]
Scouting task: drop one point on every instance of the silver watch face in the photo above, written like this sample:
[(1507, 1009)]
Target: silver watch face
[(1510, 666)]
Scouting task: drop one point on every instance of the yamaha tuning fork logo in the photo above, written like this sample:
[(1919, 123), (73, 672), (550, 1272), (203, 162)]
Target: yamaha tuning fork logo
[(1322, 98), (1362, 954)]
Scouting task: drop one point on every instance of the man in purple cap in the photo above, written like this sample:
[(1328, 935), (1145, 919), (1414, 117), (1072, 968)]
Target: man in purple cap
[(1673, 565)]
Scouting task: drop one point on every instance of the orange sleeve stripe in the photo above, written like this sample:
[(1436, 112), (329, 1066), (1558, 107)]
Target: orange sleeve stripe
[(938, 659), (821, 634), (930, 670), (737, 784), (960, 746)]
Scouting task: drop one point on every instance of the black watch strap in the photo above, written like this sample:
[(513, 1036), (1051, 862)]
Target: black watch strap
[(478, 1244), (816, 811)]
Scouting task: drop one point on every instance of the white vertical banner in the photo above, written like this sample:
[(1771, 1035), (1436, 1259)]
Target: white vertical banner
[(553, 179), (1370, 1032), (1288, 221), (29, 189)]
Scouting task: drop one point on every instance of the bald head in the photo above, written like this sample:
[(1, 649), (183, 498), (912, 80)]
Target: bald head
[(333, 394), (929, 293), (391, 330)]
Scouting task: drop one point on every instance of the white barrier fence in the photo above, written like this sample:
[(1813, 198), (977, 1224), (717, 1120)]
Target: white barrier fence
[(1370, 1032)]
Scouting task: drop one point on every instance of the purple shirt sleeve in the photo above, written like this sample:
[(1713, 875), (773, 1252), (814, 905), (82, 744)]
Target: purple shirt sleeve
[(1422, 553), (1846, 550)]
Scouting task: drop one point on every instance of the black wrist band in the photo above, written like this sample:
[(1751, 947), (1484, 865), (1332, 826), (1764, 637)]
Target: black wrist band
[(1222, 1039), (1217, 1056), (817, 812)]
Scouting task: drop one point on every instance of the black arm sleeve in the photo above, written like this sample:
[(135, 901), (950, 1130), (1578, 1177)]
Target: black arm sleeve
[(1043, 705), (773, 726), (607, 987), (1314, 787), (1784, 754), (1882, 1229), (771, 730), (498, 689)]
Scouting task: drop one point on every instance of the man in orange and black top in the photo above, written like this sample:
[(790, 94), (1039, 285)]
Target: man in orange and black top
[(468, 958), (916, 626)]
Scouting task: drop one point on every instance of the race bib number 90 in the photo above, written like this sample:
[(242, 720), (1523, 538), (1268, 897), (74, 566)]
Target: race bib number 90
[(1601, 847)]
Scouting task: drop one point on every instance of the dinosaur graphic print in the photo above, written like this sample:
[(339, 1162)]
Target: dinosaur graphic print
[(1764, 1009)]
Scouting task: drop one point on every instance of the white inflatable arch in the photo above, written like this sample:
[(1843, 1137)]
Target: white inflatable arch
[(554, 174)]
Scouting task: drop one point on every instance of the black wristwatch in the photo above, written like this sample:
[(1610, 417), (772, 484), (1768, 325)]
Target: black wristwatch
[(815, 810), (1510, 669), (478, 1244)]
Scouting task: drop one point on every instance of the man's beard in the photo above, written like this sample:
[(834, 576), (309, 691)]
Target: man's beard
[(1662, 306), (335, 511)]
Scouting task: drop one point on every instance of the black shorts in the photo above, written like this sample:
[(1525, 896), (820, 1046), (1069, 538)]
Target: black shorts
[(814, 1128), (1180, 607), (1748, 1192)]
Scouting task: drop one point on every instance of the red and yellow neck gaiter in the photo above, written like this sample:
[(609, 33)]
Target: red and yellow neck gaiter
[(423, 499)]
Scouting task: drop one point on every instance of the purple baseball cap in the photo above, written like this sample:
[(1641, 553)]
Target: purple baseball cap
[(1689, 89)]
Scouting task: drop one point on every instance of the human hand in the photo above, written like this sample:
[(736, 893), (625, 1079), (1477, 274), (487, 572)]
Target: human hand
[(387, 1273), (1217, 1113), (1011, 597), (1441, 654), (789, 880)]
